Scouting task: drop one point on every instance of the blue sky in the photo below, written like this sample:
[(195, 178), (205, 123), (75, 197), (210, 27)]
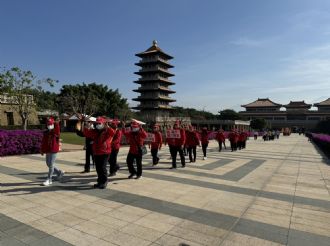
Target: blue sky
[(227, 53)]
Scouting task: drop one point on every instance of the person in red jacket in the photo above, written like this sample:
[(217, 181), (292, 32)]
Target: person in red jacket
[(115, 146), (135, 138), (243, 138), (50, 146), (102, 137), (220, 137), (156, 144), (192, 141), (204, 141), (176, 145), (233, 139)]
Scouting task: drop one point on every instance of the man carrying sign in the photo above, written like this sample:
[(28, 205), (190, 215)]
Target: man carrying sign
[(176, 139), (156, 144)]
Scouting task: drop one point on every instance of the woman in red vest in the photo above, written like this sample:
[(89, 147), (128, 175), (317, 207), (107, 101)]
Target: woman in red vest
[(50, 146), (102, 137), (135, 138), (176, 145), (156, 144), (204, 141), (192, 141), (220, 137), (115, 146)]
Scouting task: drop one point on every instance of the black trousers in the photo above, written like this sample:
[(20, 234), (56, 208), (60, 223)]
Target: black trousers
[(101, 168), (204, 148), (185, 150), (220, 145), (154, 154), (243, 144), (174, 151), (113, 161), (192, 152), (88, 155), (233, 146), (130, 163), (255, 137), (239, 144)]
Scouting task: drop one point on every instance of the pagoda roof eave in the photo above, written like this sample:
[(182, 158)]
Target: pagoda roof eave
[(155, 80), (153, 108), (155, 89), (154, 99), (147, 53), (153, 72), (141, 64)]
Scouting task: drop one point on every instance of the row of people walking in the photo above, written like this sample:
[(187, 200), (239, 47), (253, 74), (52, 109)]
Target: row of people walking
[(103, 142)]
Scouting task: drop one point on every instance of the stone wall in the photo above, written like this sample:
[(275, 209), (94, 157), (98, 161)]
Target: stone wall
[(33, 118)]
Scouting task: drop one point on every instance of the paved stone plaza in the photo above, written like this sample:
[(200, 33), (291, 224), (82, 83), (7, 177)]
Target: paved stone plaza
[(272, 193)]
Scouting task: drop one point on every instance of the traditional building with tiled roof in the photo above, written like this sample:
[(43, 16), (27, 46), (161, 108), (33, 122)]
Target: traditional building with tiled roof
[(324, 105), (297, 105), (297, 113), (262, 104)]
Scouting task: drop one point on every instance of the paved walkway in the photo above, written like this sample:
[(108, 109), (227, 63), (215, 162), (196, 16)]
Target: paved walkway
[(272, 193)]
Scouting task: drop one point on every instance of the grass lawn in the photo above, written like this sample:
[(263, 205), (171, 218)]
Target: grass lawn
[(72, 138)]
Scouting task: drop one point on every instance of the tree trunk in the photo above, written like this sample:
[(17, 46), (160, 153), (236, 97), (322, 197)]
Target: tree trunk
[(24, 122)]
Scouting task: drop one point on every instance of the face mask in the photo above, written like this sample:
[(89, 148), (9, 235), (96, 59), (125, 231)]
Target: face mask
[(92, 126), (99, 126), (135, 129), (50, 127)]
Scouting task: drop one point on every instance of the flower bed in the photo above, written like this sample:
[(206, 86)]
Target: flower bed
[(322, 141), (18, 142)]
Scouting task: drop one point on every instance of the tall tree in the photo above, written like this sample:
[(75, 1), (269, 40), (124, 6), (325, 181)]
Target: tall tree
[(192, 113), (258, 124), (229, 114), (93, 99), (78, 99), (17, 85)]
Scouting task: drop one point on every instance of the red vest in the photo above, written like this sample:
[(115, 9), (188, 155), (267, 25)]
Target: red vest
[(51, 140), (135, 140), (101, 140), (192, 139), (158, 141)]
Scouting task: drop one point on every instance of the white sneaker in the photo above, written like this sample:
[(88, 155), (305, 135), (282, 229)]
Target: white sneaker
[(47, 182), (204, 157)]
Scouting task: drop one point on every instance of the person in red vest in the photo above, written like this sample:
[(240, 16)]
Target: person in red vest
[(102, 137), (243, 138), (50, 145), (220, 137), (192, 141), (176, 145), (135, 138), (204, 141), (233, 139), (156, 144), (115, 146)]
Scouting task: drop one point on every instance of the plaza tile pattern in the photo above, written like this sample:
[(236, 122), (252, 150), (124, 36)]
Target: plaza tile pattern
[(272, 193)]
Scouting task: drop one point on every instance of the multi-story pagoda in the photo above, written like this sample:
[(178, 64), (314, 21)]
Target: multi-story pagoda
[(154, 83)]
